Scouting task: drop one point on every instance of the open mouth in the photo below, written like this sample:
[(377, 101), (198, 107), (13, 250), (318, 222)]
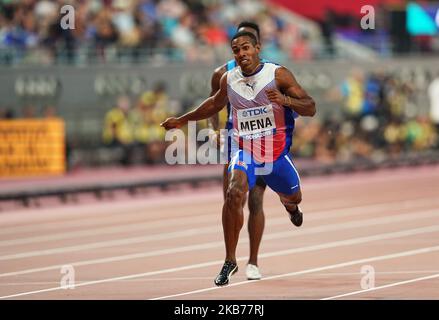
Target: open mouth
[(244, 60)]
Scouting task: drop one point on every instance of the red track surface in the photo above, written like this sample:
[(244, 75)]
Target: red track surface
[(171, 245)]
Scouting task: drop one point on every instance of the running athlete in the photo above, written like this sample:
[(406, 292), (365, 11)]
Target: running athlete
[(256, 220), (263, 124)]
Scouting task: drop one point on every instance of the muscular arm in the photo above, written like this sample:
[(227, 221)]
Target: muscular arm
[(295, 97), (209, 107), (215, 86)]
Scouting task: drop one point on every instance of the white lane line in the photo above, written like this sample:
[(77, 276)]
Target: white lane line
[(313, 215), (101, 231), (7, 284), (307, 271), (383, 287), (173, 235), (330, 274), (335, 244), (105, 210), (216, 244), (132, 216), (110, 243)]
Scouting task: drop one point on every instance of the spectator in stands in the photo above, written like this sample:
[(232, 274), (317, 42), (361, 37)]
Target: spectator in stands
[(353, 93), (125, 23), (117, 131), (420, 134), (394, 135), (105, 35), (372, 94), (155, 107)]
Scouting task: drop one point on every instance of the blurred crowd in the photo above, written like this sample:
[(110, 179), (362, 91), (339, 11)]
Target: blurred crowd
[(180, 30), (133, 126), (380, 118), (111, 30)]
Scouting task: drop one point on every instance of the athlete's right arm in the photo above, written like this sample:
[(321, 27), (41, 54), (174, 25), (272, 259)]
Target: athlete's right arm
[(215, 83), (209, 107)]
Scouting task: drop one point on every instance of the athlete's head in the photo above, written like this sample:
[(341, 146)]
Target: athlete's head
[(249, 26), (245, 48)]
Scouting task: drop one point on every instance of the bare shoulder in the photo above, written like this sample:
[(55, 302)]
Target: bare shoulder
[(223, 81), (283, 73), (219, 72), (216, 78), (285, 79)]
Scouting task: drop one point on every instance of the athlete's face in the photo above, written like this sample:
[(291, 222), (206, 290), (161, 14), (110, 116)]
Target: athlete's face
[(246, 53)]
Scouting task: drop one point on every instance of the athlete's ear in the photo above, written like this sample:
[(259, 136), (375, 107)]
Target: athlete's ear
[(258, 47)]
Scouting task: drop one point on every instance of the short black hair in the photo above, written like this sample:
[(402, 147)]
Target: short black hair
[(249, 24), (252, 37)]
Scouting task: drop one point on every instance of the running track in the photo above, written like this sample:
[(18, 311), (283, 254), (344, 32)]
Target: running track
[(170, 246)]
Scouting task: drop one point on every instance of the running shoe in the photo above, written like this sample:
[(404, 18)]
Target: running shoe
[(228, 269), (252, 272), (296, 217)]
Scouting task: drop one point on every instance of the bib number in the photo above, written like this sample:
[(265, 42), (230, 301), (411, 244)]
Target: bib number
[(256, 122)]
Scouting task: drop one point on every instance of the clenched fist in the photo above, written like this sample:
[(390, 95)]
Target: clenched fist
[(172, 123), (275, 96)]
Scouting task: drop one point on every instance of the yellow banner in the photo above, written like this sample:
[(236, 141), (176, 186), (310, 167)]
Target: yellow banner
[(31, 147)]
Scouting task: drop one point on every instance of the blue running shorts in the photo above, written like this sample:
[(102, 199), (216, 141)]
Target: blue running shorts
[(281, 175)]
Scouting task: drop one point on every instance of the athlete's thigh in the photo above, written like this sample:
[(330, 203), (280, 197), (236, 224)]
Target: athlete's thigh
[(284, 178), (240, 162), (226, 154), (225, 179), (238, 181)]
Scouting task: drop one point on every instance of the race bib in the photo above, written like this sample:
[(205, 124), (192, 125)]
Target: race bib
[(256, 122)]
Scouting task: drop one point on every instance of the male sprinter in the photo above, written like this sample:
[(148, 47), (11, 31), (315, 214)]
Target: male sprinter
[(256, 220), (262, 135)]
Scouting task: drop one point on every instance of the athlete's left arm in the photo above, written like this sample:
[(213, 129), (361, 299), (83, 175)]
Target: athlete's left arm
[(291, 94)]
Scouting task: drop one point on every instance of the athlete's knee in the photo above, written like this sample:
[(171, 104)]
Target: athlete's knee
[(295, 198), (255, 200), (255, 206), (298, 197), (235, 196)]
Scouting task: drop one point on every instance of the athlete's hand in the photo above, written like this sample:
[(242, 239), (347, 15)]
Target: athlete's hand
[(171, 123), (275, 96)]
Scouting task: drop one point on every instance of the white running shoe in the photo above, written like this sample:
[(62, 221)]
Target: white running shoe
[(252, 272)]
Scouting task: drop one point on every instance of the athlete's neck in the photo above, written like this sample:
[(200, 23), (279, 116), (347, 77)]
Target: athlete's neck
[(252, 70)]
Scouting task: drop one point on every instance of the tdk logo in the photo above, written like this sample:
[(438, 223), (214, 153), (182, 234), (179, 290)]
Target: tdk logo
[(254, 112)]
